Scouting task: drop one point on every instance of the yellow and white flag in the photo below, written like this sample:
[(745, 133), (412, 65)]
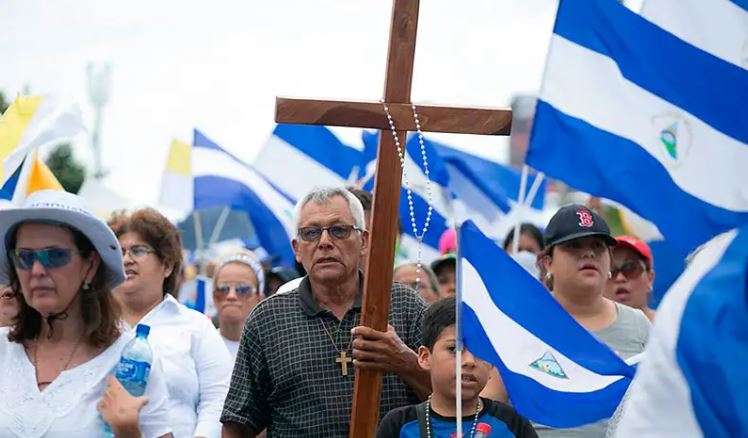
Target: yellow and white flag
[(176, 184), (33, 121)]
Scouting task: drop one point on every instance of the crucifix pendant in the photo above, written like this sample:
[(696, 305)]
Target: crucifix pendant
[(343, 360)]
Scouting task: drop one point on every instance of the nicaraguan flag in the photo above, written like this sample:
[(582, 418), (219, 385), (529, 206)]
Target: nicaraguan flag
[(463, 186), (298, 157), (693, 381), (556, 373), (652, 119), (221, 179), (485, 191)]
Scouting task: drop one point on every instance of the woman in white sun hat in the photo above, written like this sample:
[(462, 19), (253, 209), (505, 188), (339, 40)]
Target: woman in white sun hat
[(58, 356)]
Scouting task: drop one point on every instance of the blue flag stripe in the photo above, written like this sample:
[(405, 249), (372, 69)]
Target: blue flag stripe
[(742, 3), (9, 188), (711, 347), (660, 62), (322, 146), (563, 145)]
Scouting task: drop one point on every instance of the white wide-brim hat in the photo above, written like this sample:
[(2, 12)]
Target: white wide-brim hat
[(62, 208)]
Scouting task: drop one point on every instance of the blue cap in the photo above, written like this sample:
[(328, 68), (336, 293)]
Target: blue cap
[(142, 330)]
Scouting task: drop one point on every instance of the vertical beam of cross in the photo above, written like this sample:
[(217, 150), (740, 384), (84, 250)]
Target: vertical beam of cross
[(378, 280)]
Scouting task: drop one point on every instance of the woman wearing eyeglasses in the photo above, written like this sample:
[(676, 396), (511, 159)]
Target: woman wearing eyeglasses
[(238, 285), (58, 356), (197, 364), (632, 275)]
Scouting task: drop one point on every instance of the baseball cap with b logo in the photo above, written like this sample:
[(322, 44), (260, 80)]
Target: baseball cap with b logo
[(575, 221)]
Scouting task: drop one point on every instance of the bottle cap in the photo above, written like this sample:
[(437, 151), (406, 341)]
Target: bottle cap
[(143, 330)]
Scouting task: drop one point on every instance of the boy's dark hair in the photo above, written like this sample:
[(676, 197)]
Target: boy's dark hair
[(438, 316)]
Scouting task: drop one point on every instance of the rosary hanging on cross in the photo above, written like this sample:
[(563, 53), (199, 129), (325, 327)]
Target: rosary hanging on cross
[(429, 193)]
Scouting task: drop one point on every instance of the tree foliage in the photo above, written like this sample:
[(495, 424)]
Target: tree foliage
[(4, 104), (68, 171)]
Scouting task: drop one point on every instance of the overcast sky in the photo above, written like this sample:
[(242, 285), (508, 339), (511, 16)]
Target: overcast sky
[(218, 65)]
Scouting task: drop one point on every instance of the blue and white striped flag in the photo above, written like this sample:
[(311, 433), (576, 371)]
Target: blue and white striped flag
[(693, 380), (221, 179), (652, 119), (556, 373), (464, 186)]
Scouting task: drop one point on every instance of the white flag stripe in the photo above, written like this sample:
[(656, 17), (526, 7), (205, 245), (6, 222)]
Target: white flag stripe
[(212, 162), (690, 19), (474, 204), (292, 170), (660, 379), (441, 196), (583, 83), (518, 348)]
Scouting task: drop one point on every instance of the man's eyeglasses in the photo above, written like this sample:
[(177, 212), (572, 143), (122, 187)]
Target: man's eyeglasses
[(50, 258), (338, 232), (630, 270), (241, 289), (137, 251)]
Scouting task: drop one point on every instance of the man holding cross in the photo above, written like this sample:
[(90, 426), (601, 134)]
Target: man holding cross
[(294, 372)]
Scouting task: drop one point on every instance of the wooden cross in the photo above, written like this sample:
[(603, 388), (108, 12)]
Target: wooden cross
[(344, 360), (378, 278)]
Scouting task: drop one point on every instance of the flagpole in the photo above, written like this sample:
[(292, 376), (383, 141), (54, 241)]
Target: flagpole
[(458, 334), (199, 240), (220, 223), (534, 188), (520, 206)]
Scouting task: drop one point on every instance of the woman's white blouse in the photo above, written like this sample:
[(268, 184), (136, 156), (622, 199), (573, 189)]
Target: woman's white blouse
[(67, 407), (197, 366)]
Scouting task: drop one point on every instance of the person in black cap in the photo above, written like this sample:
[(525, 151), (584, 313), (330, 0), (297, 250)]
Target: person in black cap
[(575, 266)]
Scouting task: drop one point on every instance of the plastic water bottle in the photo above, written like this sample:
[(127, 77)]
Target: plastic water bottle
[(483, 430), (134, 366)]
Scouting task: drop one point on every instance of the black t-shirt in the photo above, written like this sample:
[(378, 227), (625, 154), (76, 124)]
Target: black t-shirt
[(503, 419)]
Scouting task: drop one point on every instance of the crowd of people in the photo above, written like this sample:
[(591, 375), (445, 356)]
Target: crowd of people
[(277, 358)]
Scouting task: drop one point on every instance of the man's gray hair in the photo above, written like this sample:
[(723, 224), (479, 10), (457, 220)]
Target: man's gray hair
[(320, 195)]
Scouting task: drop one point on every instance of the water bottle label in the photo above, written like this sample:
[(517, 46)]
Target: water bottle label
[(133, 370)]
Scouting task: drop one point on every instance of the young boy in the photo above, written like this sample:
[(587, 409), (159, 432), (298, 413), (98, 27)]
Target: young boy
[(435, 418)]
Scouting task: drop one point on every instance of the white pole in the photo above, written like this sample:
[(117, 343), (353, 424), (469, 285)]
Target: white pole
[(458, 335), (220, 223), (199, 240), (520, 208), (534, 188)]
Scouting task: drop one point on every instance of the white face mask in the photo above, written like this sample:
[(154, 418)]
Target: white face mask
[(527, 260)]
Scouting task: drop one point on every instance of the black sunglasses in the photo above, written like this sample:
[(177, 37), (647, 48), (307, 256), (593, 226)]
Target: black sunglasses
[(241, 289), (50, 258), (338, 232), (630, 270)]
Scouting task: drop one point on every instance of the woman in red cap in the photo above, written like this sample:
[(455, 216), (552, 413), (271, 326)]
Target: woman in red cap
[(632, 274)]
